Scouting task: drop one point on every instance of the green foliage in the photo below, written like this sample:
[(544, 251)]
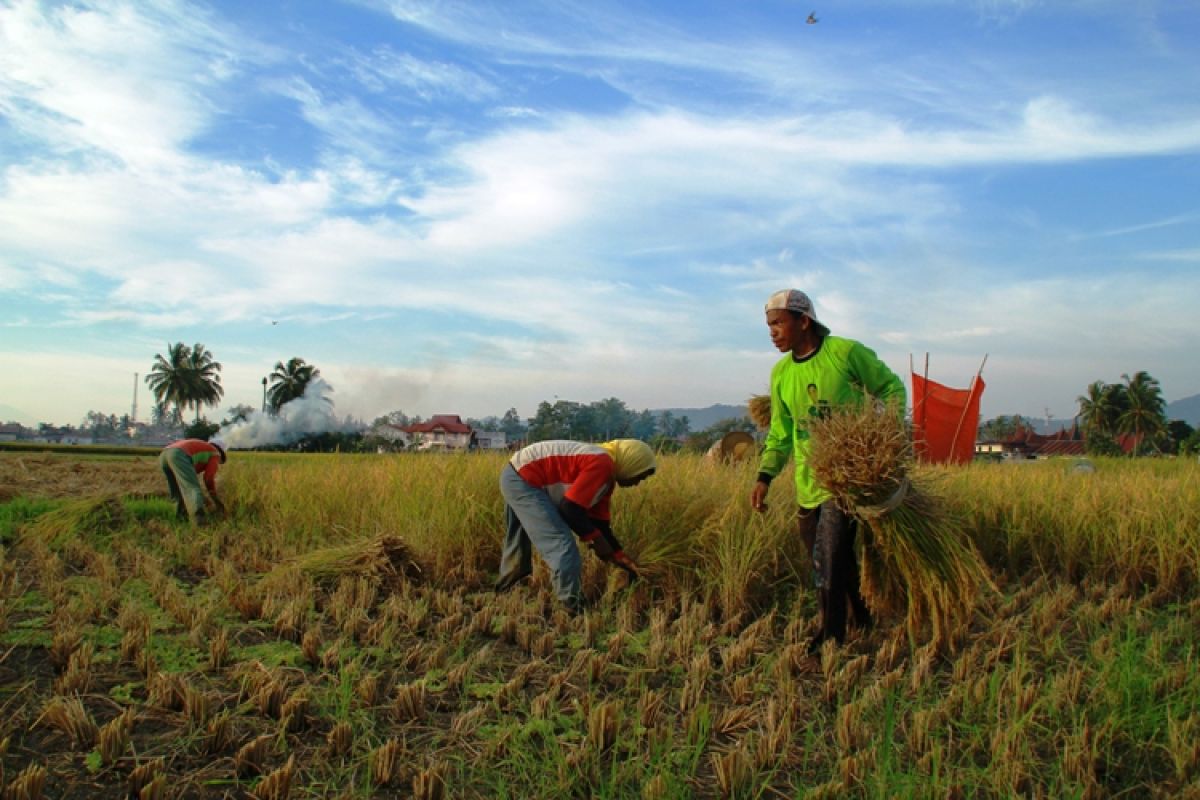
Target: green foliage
[(201, 428), (186, 376), (18, 511), (1100, 443), (1002, 427), (1178, 432), (289, 381), (1136, 407)]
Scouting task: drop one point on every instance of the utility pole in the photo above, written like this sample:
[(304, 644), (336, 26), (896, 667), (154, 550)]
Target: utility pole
[(133, 411)]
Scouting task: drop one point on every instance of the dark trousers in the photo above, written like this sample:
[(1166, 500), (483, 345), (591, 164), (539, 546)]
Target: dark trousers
[(828, 533)]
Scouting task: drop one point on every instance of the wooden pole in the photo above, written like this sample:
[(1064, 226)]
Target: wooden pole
[(970, 393)]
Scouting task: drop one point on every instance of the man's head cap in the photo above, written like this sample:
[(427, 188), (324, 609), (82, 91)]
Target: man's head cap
[(797, 301)]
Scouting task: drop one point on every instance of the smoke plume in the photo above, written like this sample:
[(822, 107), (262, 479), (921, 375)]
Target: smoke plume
[(308, 415)]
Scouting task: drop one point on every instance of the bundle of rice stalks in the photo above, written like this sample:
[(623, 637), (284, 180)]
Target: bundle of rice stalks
[(90, 516), (385, 561), (916, 556), (759, 406)]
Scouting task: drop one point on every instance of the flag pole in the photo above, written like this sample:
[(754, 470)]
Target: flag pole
[(970, 394)]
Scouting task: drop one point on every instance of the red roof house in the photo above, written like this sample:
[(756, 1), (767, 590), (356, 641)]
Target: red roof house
[(441, 431)]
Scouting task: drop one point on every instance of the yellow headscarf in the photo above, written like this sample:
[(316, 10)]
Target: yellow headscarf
[(632, 457)]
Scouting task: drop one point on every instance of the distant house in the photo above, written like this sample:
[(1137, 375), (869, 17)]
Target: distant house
[(491, 440), (10, 432), (442, 432), (63, 435), (1025, 443)]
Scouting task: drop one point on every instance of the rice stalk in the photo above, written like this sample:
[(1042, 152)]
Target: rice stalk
[(113, 739), (340, 738), (759, 408), (915, 555), (410, 702), (733, 770), (27, 785), (67, 715), (156, 789), (386, 762), (276, 785), (735, 719), (250, 757), (602, 723), (430, 783), (143, 775)]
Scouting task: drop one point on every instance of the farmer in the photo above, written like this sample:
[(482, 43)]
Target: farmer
[(181, 462), (818, 372), (557, 490)]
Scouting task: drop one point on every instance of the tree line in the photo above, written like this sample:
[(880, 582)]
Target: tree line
[(189, 377), (1134, 407)]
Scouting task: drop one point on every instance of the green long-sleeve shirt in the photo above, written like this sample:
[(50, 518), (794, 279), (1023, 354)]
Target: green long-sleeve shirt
[(840, 371)]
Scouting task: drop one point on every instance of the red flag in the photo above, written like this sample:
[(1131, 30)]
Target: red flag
[(945, 420)]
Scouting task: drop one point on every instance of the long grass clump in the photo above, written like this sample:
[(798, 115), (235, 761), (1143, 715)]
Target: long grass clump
[(385, 561), (916, 556)]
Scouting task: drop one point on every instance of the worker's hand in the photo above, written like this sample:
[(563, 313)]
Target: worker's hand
[(602, 548), (758, 497), (622, 560)]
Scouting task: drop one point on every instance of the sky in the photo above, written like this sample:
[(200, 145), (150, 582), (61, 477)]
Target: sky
[(466, 207)]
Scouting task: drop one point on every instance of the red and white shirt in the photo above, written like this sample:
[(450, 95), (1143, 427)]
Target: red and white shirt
[(580, 472)]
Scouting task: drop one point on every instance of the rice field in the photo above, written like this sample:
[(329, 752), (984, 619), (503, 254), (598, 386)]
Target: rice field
[(336, 636)]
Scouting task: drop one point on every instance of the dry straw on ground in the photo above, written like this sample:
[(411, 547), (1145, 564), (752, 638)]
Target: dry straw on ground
[(386, 561), (916, 556)]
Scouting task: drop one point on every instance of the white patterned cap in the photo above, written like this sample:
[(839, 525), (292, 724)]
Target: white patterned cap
[(797, 301)]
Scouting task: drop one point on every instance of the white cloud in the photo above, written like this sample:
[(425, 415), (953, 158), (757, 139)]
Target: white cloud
[(121, 79)]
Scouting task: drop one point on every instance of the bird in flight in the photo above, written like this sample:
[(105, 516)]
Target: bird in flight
[(812, 19)]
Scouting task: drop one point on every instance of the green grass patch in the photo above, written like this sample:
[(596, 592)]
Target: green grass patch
[(20, 510)]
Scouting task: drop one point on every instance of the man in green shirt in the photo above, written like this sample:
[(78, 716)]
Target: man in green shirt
[(819, 371)]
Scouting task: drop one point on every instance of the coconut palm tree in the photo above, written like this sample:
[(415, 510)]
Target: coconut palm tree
[(205, 374), (288, 382), (1094, 410), (1143, 415), (185, 376)]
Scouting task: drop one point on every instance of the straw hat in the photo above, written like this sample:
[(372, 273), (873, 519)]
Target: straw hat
[(732, 447)]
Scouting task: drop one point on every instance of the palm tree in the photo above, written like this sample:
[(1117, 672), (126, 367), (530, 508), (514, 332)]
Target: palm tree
[(205, 374), (167, 377), (1094, 410), (288, 382), (1144, 411), (186, 376)]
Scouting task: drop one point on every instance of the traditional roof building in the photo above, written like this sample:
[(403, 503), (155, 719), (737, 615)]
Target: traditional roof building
[(1026, 443), (442, 431)]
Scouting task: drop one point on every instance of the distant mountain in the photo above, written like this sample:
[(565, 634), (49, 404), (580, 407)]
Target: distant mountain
[(1187, 409), (701, 418), (13, 414)]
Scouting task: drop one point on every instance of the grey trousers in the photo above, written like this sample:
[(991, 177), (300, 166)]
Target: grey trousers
[(181, 477), (534, 521)]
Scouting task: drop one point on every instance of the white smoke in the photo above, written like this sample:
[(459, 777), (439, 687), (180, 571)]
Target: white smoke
[(308, 415)]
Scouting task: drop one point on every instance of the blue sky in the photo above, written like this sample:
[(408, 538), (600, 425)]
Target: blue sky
[(462, 207)]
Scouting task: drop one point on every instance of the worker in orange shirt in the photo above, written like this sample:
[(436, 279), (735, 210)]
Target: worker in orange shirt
[(182, 463)]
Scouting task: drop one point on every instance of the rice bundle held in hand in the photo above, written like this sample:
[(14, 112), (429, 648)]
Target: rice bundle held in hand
[(915, 554)]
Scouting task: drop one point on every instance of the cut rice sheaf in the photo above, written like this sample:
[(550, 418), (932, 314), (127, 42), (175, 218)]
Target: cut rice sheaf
[(915, 555)]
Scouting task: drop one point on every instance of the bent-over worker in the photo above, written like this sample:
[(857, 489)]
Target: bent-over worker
[(182, 461), (557, 490)]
